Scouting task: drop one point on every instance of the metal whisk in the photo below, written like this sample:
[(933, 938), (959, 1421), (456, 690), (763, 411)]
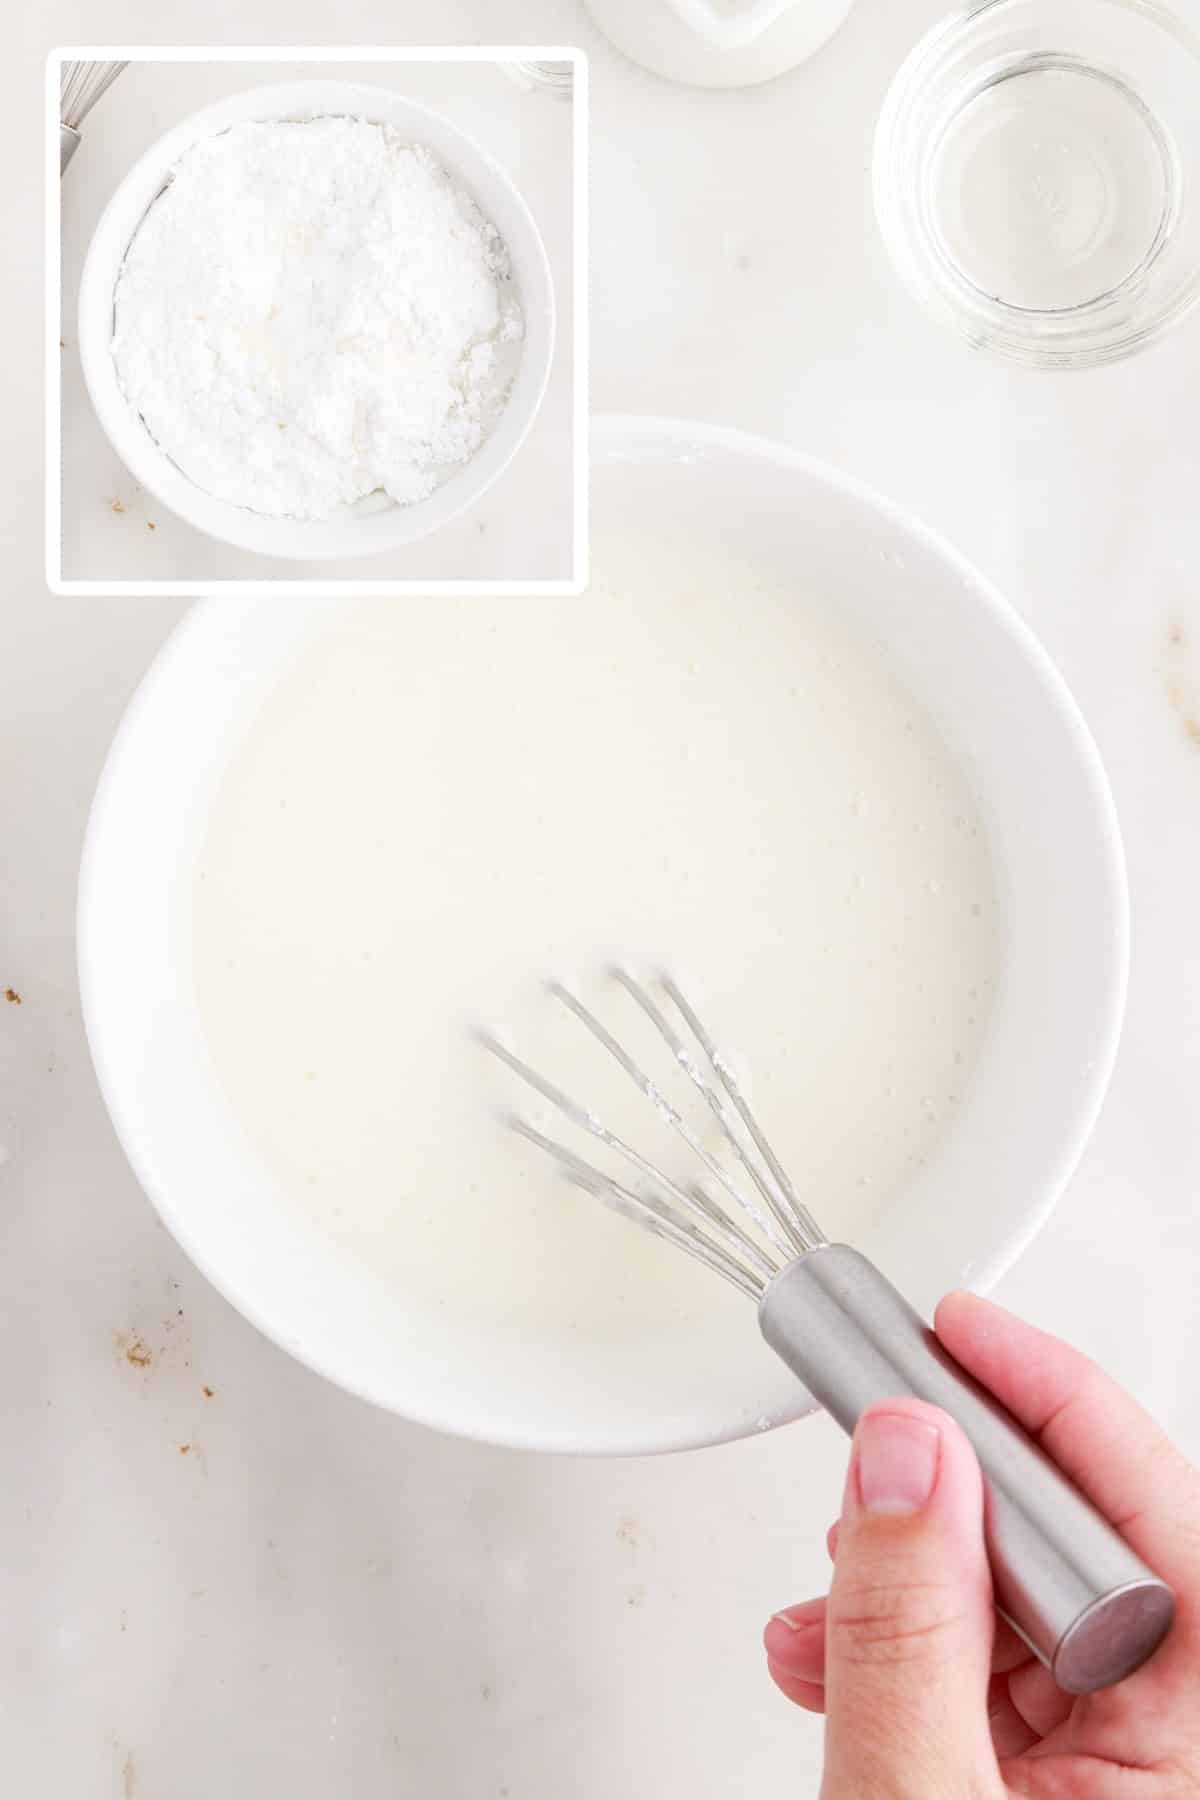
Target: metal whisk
[(81, 85), (1086, 1605)]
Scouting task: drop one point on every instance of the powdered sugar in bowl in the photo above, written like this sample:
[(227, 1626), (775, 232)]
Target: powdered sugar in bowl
[(407, 329)]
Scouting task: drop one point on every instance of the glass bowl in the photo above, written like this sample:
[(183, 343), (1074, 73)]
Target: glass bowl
[(1037, 176), (554, 78)]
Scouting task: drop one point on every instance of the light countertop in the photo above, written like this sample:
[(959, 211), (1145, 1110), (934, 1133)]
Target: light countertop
[(312, 1599), (522, 529)]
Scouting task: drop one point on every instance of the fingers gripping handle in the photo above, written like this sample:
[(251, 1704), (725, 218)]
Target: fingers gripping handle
[(1086, 1605)]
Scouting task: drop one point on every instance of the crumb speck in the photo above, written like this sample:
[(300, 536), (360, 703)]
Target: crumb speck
[(184, 1449), (12, 996), (627, 1531), (1181, 678), (635, 1596), (150, 525), (135, 1352), (118, 506), (208, 1392)]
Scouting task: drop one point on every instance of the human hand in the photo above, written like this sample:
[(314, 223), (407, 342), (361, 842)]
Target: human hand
[(926, 1695)]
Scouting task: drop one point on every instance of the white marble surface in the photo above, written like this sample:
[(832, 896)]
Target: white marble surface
[(317, 1600), (522, 529)]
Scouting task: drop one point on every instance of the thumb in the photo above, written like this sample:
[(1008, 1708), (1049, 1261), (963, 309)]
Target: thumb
[(909, 1627)]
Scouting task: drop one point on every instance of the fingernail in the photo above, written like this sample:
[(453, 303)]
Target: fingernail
[(897, 1462), (796, 1646)]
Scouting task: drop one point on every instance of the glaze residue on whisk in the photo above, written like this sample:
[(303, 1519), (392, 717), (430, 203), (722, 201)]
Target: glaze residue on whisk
[(745, 1242)]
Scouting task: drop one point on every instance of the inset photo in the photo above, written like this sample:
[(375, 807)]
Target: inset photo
[(316, 318)]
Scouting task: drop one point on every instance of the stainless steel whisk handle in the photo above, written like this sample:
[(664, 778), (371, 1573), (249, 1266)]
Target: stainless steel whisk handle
[(1084, 1603), (68, 143)]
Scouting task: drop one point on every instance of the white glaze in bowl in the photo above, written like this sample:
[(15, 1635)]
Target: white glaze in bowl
[(964, 1216)]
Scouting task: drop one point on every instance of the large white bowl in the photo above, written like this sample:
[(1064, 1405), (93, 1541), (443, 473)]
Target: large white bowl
[(373, 523), (962, 1219)]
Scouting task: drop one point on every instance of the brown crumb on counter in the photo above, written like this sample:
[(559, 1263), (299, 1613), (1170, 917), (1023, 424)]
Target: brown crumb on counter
[(118, 506), (184, 1448), (208, 1392), (150, 525), (13, 998), (137, 1353), (1182, 678), (628, 1531)]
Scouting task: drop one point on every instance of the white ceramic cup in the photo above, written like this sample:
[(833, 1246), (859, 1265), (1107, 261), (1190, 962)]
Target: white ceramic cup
[(962, 1217), (374, 523), (707, 45)]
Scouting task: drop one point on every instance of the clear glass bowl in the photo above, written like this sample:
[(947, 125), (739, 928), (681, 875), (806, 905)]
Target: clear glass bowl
[(1037, 176), (556, 78)]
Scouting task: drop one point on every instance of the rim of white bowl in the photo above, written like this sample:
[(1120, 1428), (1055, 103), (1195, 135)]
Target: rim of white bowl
[(612, 434), (391, 527)]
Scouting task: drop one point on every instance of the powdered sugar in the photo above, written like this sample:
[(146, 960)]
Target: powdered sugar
[(314, 311)]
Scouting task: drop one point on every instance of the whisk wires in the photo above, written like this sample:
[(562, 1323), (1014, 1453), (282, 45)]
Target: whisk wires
[(81, 84), (768, 1226)]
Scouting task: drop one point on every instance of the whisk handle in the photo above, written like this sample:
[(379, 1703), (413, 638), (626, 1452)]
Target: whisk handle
[(1084, 1603)]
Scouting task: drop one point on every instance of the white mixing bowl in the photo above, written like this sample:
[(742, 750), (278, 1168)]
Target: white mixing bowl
[(961, 1219), (374, 523)]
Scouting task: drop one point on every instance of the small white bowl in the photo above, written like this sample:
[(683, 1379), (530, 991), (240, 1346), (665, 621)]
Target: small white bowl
[(374, 524), (964, 1216)]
